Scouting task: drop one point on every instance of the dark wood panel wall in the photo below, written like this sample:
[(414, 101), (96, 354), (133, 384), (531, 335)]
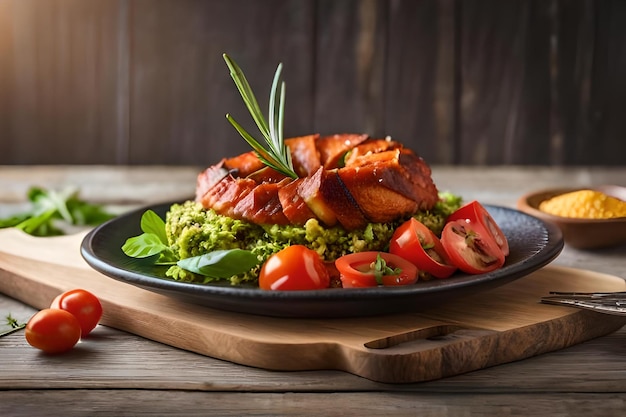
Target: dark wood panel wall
[(461, 81)]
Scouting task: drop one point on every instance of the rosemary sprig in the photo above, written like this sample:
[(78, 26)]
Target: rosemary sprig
[(276, 155)]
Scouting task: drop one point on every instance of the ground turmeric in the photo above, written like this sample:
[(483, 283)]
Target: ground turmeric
[(587, 204)]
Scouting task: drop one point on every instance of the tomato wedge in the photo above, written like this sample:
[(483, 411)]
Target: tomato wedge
[(418, 244), (470, 247), (478, 215), (357, 270), (294, 268)]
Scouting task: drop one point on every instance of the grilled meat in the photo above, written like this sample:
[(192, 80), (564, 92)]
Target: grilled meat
[(347, 179)]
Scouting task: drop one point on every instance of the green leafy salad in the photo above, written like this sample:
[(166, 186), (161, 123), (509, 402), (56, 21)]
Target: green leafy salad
[(51, 211)]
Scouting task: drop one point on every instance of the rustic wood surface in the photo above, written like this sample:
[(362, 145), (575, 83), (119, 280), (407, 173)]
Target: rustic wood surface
[(117, 373), (494, 327), (463, 82)]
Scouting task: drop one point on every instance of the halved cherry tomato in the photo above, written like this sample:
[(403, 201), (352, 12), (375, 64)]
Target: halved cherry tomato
[(478, 215), (294, 268), (357, 270), (53, 330), (415, 242), (83, 305), (471, 248)]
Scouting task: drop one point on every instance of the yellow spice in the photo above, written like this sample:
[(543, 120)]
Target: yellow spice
[(587, 204)]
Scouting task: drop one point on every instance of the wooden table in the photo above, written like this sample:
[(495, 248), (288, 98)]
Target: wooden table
[(122, 374)]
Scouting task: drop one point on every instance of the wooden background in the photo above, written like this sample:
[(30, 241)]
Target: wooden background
[(476, 82)]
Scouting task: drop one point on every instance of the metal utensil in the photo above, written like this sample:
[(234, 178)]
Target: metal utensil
[(602, 302)]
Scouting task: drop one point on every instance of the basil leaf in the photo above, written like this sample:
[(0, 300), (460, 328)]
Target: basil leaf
[(153, 224), (220, 263), (143, 246)]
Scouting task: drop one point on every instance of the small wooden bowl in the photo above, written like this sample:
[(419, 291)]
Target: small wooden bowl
[(580, 233)]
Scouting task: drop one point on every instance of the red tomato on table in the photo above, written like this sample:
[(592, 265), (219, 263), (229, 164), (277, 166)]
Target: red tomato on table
[(470, 247), (418, 244), (478, 215), (294, 268), (83, 305), (356, 270), (53, 330)]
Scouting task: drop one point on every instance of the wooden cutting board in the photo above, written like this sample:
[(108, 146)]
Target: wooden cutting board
[(487, 329)]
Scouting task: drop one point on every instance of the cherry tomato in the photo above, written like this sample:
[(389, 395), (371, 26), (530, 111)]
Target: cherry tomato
[(53, 330), (83, 305), (416, 243), (472, 249), (357, 270), (294, 268), (477, 214)]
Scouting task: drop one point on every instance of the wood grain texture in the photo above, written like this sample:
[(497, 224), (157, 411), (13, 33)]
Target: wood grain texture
[(181, 88), (153, 402), (496, 93), (607, 94), (62, 82), (349, 66), (118, 373), (463, 82), (420, 76), (488, 329)]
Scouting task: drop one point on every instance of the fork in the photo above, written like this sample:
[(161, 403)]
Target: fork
[(603, 302)]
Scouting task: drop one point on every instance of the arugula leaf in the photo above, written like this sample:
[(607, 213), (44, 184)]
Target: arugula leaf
[(48, 206), (14, 220), (220, 263)]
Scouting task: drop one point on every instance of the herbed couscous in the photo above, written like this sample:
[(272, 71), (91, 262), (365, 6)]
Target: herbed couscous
[(192, 230)]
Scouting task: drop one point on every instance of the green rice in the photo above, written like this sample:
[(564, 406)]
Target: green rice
[(192, 231)]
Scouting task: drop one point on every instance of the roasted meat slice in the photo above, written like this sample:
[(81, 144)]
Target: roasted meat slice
[(208, 178), (294, 206), (309, 191), (379, 203), (304, 154), (261, 205), (333, 148), (225, 195), (425, 191), (266, 174), (341, 202), (244, 164), (369, 147), (384, 188), (327, 197), (381, 182)]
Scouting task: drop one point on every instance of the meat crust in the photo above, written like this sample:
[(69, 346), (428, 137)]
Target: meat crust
[(347, 179)]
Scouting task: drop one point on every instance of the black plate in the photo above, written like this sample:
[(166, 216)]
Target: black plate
[(533, 244)]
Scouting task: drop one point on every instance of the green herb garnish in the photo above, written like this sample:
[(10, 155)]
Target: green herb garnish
[(220, 264), (48, 206), (13, 324), (152, 242), (276, 155), (380, 269), (152, 245)]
